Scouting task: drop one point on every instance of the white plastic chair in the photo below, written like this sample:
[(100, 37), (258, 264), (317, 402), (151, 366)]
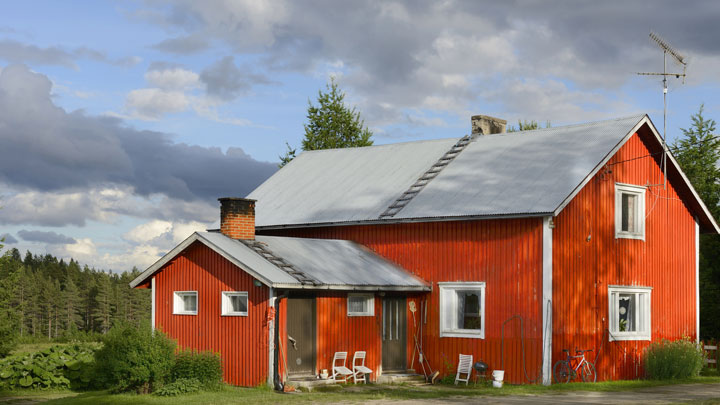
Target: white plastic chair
[(340, 370), (464, 367), (359, 370)]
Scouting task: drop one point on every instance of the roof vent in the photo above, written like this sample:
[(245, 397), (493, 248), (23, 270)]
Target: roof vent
[(486, 125)]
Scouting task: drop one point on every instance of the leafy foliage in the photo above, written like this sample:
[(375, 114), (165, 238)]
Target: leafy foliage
[(54, 367), (670, 360), (134, 358), (698, 152), (204, 367), (526, 125), (178, 387), (8, 318), (331, 124)]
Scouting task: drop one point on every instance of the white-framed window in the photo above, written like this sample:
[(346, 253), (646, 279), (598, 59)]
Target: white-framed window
[(234, 303), (629, 211), (462, 310), (185, 303), (361, 305), (629, 312)]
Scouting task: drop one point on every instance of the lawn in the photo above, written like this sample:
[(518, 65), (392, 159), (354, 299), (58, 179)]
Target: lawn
[(350, 393)]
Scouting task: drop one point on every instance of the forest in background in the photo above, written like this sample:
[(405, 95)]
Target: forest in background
[(45, 298)]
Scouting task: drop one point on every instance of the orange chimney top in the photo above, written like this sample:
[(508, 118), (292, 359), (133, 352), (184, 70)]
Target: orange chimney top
[(237, 217)]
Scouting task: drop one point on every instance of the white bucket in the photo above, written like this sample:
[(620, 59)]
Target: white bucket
[(498, 376)]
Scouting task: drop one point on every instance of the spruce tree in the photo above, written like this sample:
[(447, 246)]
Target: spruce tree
[(331, 124)]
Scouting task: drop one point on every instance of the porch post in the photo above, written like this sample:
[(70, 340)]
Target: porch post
[(547, 301)]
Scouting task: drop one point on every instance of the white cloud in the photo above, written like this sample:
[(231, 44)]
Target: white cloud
[(148, 231), (173, 79), (152, 103)]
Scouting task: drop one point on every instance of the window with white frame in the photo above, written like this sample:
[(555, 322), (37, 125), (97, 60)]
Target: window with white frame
[(234, 303), (361, 305), (629, 312), (629, 211), (462, 310), (185, 303)]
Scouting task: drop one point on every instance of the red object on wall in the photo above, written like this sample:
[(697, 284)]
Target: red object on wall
[(242, 341), (584, 268), (506, 254)]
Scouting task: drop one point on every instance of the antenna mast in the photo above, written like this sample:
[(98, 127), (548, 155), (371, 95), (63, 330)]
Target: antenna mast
[(667, 49)]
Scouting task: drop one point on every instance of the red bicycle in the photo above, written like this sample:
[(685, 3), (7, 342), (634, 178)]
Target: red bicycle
[(563, 370)]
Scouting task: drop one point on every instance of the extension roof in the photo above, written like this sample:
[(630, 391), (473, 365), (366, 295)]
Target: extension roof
[(528, 173), (331, 264)]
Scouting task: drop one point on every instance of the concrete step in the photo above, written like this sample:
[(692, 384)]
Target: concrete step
[(309, 383), (401, 378)]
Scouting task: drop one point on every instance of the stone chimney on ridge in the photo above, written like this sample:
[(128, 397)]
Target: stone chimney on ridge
[(237, 217), (486, 125)]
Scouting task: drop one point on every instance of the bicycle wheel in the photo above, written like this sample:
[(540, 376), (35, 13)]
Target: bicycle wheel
[(588, 373), (561, 372)]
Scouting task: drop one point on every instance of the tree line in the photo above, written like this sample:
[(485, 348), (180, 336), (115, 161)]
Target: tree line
[(43, 297)]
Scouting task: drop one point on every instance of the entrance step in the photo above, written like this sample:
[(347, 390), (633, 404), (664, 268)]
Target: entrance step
[(401, 378), (309, 383)]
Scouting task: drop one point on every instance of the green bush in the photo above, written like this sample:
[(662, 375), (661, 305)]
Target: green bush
[(55, 367), (204, 367), (134, 358), (669, 360), (179, 386)]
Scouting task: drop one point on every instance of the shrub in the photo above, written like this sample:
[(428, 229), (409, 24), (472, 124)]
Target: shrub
[(55, 367), (134, 358), (204, 367), (679, 359), (179, 386)]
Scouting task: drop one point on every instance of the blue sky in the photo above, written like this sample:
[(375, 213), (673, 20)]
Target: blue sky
[(122, 122)]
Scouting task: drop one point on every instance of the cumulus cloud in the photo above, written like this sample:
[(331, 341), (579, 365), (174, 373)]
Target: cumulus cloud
[(225, 81), (7, 239), (182, 45), (50, 237), (451, 56), (151, 104), (65, 150)]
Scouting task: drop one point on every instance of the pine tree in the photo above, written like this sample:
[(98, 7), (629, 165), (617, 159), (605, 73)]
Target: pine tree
[(103, 309), (71, 304), (698, 152), (331, 124)]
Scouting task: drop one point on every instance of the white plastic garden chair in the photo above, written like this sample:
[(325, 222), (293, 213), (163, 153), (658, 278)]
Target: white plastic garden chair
[(340, 369), (464, 367), (359, 370)]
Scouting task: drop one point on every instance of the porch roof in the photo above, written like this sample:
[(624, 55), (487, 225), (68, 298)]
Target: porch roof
[(327, 264)]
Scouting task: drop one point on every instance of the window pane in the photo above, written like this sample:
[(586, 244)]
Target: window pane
[(626, 313), (629, 212), (190, 302), (238, 303), (358, 304), (469, 310)]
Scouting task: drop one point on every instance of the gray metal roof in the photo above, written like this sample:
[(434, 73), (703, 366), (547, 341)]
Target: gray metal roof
[(526, 173), (352, 184), (336, 264), (340, 262)]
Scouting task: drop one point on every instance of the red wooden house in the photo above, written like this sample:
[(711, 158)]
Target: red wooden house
[(515, 246)]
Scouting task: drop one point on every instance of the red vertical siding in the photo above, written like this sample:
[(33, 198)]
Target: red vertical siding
[(242, 341), (505, 254), (587, 258)]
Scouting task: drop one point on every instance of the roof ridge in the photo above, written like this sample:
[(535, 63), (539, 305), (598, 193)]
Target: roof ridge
[(575, 125)]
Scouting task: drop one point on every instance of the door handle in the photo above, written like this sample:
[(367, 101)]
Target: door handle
[(293, 342)]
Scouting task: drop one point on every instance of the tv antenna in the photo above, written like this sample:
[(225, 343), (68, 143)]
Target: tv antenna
[(679, 59)]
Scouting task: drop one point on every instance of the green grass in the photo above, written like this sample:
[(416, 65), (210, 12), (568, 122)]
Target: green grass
[(359, 394)]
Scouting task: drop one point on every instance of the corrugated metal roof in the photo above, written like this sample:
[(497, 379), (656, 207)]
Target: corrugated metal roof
[(335, 185), (529, 172), (340, 262), (336, 264), (519, 172)]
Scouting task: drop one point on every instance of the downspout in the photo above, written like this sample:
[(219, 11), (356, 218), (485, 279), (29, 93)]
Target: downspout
[(697, 281), (270, 319), (546, 307)]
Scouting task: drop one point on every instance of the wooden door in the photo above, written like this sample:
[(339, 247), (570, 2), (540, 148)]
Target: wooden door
[(394, 334), (301, 327)]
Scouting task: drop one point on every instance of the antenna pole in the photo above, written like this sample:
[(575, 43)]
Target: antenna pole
[(665, 89)]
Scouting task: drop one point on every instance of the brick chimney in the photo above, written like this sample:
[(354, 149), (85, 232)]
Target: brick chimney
[(486, 125), (237, 217)]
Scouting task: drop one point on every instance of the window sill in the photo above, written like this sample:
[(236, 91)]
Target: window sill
[(463, 334), (358, 314), (236, 314), (184, 313), (624, 235), (616, 336)]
